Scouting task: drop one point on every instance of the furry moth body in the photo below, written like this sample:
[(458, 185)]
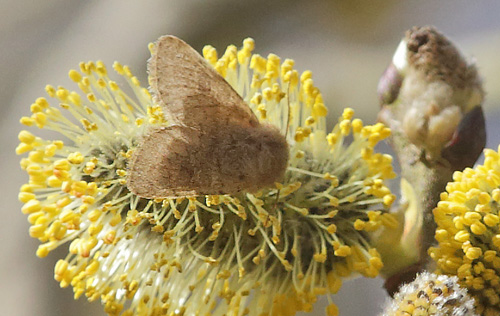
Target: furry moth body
[(215, 145)]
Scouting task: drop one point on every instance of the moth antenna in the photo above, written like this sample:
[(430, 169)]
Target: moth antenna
[(286, 135)]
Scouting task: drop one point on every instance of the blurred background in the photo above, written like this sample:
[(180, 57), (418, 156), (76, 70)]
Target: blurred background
[(345, 43)]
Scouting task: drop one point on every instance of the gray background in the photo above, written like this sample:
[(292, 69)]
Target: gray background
[(346, 43)]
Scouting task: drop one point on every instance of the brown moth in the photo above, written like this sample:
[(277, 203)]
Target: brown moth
[(215, 143)]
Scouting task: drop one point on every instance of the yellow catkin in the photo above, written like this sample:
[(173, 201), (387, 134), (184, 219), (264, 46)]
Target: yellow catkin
[(78, 192)]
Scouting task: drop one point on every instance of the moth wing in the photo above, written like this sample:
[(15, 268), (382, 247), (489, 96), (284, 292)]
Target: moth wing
[(180, 79), (178, 161), (156, 169)]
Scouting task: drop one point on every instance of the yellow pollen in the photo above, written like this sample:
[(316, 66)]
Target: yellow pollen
[(332, 138), (343, 251), (348, 114), (75, 75)]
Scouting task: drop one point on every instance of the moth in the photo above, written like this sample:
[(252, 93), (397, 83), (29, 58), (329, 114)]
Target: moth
[(214, 143)]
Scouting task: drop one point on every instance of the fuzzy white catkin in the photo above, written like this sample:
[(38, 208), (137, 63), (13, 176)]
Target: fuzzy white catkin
[(431, 294)]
